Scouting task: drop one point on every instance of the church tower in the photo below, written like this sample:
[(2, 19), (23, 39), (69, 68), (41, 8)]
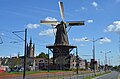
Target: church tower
[(30, 49)]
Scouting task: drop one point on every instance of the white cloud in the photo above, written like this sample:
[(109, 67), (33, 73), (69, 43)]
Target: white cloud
[(114, 27), (95, 4), (85, 39), (90, 21), (49, 32), (82, 44), (83, 8), (33, 26), (80, 39), (2, 34), (50, 19), (105, 40)]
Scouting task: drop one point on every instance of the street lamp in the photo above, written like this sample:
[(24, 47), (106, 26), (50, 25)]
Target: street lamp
[(93, 41), (110, 60), (105, 53)]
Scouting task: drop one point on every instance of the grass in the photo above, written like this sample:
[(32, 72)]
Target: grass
[(39, 72), (43, 71), (33, 72), (27, 72)]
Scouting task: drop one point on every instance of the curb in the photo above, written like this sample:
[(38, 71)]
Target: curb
[(100, 76)]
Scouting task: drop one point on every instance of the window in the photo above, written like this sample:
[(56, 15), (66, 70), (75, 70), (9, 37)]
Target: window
[(73, 60), (73, 65), (41, 61)]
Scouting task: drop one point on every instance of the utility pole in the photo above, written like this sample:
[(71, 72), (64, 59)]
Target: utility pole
[(25, 48), (77, 64), (94, 67), (25, 52), (94, 62)]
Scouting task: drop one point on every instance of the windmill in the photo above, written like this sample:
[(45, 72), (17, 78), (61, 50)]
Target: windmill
[(61, 47)]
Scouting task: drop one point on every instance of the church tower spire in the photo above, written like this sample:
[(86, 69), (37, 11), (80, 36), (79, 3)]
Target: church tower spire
[(30, 49), (30, 40)]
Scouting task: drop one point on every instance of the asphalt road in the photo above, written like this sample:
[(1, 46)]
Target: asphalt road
[(49, 76), (113, 75)]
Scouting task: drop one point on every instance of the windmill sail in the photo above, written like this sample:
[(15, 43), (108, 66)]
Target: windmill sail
[(49, 22), (61, 10), (75, 23)]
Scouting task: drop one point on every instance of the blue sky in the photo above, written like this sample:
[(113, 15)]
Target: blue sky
[(101, 20)]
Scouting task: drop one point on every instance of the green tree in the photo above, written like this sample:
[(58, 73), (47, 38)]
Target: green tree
[(42, 55)]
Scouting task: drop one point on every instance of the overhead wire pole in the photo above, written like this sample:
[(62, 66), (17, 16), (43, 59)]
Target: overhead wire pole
[(25, 52), (25, 48), (77, 59)]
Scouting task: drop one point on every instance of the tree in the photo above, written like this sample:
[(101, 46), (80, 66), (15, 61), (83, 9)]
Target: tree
[(42, 55)]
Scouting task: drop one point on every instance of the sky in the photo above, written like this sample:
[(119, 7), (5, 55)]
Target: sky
[(101, 18)]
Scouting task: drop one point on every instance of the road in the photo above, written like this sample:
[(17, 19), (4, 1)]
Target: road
[(113, 75), (50, 76)]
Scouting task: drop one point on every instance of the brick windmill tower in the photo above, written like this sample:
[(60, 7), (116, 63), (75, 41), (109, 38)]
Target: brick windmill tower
[(61, 48)]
